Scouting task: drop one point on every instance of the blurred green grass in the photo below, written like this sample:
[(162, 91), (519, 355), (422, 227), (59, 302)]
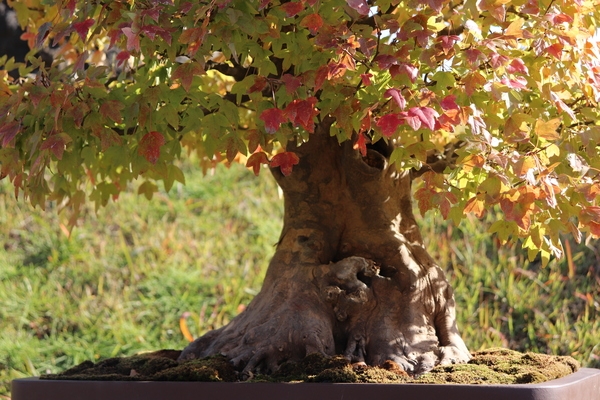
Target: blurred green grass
[(120, 283)]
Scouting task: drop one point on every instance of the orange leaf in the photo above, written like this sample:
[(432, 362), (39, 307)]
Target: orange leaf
[(150, 145), (285, 161), (475, 206), (256, 160)]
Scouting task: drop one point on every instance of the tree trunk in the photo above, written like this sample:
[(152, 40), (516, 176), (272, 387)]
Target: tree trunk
[(350, 274)]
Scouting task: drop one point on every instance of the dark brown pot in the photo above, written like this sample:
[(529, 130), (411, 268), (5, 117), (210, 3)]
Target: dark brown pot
[(582, 385)]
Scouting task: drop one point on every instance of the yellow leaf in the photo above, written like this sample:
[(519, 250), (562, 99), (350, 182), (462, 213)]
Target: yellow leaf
[(515, 28), (552, 150), (547, 129)]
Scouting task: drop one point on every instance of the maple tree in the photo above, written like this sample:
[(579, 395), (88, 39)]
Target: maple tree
[(489, 103)]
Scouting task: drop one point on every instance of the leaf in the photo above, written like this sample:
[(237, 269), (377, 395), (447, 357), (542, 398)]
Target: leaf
[(83, 27), (133, 40), (56, 144), (8, 133), (285, 161), (273, 118), (313, 22), (256, 160), (122, 57), (475, 206), (361, 6), (186, 72), (361, 144), (425, 198), (292, 8), (148, 189), (389, 123), (409, 70), (555, 50), (447, 42), (517, 65), (111, 109), (385, 61), (426, 115), (515, 28), (449, 103), (292, 83), (42, 34), (302, 113), (366, 79), (149, 146), (547, 129), (260, 82), (397, 96)]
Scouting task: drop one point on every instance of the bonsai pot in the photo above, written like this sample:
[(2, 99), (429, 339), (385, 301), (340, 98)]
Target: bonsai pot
[(581, 385)]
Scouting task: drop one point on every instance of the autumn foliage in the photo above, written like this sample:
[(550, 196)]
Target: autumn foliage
[(502, 94)]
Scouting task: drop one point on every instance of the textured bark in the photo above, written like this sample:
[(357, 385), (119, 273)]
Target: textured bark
[(350, 274)]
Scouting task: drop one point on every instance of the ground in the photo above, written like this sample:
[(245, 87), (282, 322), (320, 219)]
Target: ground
[(493, 366)]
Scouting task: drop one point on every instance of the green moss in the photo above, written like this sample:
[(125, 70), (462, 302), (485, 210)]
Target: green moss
[(494, 366)]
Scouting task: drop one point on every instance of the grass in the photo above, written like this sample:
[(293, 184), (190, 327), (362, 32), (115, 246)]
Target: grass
[(120, 283)]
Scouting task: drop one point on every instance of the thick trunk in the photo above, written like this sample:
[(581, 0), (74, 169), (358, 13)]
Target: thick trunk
[(350, 274)]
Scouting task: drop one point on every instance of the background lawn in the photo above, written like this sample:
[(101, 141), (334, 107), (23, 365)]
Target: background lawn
[(121, 282)]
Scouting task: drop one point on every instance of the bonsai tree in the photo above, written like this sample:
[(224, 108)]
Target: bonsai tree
[(482, 104)]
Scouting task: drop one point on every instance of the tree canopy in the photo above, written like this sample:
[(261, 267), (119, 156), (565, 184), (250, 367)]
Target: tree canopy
[(490, 102)]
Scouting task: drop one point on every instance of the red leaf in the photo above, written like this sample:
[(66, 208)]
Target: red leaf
[(397, 96), (83, 27), (122, 57), (313, 22), (449, 103), (497, 60), (517, 83), (555, 50), (366, 79), (517, 65), (413, 121), (474, 57), (285, 161), (425, 198), (291, 83), (425, 114), (71, 6), (589, 214), (321, 76), (292, 8), (150, 145), (42, 34), (273, 118), (361, 144), (447, 42), (436, 5), (361, 6), (133, 40), (260, 82), (186, 72), (557, 19), (405, 69), (388, 124), (111, 109), (385, 61), (256, 160), (302, 113), (153, 12), (151, 31), (56, 144), (8, 133)]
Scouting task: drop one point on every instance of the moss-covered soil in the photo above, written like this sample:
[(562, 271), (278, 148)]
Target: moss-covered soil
[(494, 366)]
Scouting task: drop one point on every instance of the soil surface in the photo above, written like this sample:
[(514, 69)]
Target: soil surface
[(494, 366)]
